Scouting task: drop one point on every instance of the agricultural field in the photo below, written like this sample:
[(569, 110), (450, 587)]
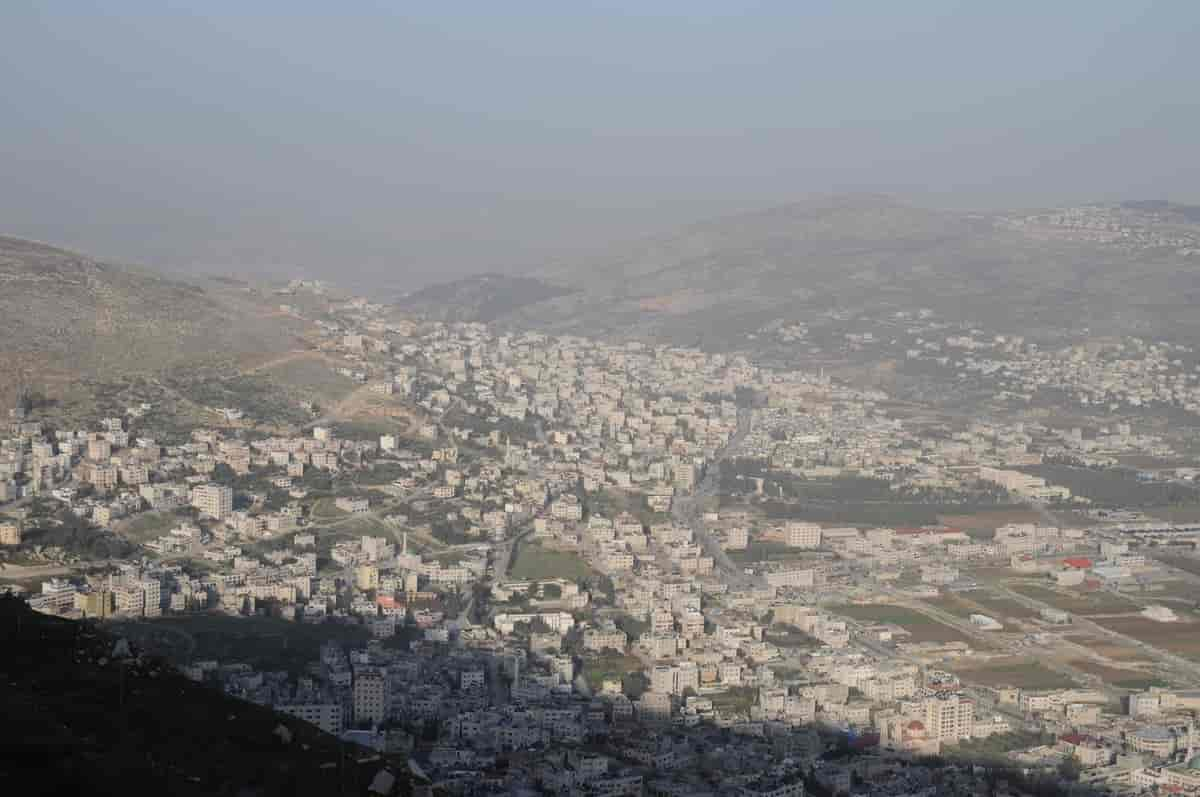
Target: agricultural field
[(1182, 639), (1185, 513), (1188, 564), (536, 562), (921, 627), (999, 606), (954, 604), (1120, 678), (1077, 601), (1021, 671), (1103, 646), (983, 524), (1115, 487), (989, 575)]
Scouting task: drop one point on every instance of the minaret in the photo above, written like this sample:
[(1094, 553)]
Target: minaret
[(404, 545)]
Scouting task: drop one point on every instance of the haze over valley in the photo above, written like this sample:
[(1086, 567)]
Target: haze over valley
[(667, 400)]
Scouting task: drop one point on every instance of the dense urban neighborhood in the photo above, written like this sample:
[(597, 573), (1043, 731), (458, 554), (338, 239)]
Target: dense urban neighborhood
[(528, 550)]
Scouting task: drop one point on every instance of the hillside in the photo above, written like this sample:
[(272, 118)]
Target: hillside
[(1111, 268), (75, 725), (485, 297), (63, 314)]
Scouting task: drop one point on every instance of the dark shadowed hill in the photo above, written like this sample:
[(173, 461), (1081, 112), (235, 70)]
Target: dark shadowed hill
[(78, 721), (1133, 267)]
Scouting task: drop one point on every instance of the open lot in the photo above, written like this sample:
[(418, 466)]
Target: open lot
[(1025, 672), (1077, 601), (146, 526), (921, 627), (312, 376), (534, 561), (782, 635), (767, 550), (1182, 639)]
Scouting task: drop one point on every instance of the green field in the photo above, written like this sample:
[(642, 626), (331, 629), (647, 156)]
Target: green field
[(1116, 486), (921, 627), (998, 606), (995, 748), (326, 508), (596, 671), (365, 429), (535, 562), (951, 603), (1023, 672), (735, 700)]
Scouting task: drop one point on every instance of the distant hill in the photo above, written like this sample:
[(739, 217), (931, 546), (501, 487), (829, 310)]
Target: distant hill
[(484, 297), (63, 313), (79, 722), (1133, 267)]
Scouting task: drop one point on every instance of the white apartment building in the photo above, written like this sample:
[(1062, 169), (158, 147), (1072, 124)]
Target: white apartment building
[(949, 717), (326, 716), (10, 534), (214, 500), (802, 535)]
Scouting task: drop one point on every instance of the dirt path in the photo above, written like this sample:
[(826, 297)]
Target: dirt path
[(292, 356)]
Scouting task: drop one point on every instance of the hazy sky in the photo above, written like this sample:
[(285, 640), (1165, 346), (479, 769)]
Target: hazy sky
[(429, 140)]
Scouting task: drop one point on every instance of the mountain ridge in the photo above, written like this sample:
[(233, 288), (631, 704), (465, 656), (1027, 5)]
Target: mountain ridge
[(1127, 267)]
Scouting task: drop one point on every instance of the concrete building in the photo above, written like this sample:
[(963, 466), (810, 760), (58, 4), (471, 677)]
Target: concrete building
[(802, 535), (949, 717), (214, 500), (370, 697), (10, 534)]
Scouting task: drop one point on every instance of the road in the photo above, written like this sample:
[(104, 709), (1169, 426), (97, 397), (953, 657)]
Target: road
[(501, 557), (688, 510)]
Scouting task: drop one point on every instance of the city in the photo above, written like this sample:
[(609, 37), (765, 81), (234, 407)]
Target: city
[(558, 542)]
